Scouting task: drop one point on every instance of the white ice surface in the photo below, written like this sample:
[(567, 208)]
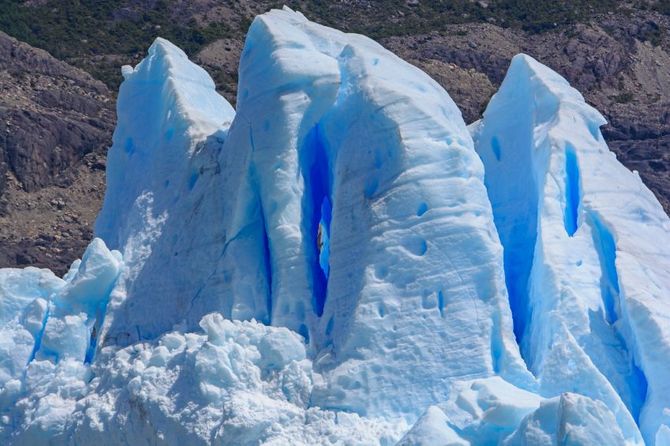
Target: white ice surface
[(231, 383), (160, 208), (48, 336), (569, 419), (492, 411), (432, 429)]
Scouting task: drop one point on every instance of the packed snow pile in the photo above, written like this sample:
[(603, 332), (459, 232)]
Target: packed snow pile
[(342, 261)]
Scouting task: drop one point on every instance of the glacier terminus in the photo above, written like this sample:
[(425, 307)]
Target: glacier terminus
[(341, 260)]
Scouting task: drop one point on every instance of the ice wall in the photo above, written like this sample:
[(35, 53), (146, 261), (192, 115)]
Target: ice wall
[(344, 185), (178, 205), (361, 154), (335, 263), (586, 249)]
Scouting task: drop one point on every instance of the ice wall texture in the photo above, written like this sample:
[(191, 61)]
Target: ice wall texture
[(345, 202), (586, 249), (338, 261), (362, 154), (178, 203)]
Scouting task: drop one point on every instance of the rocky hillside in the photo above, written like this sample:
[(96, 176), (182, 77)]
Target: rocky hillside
[(56, 120), (55, 125)]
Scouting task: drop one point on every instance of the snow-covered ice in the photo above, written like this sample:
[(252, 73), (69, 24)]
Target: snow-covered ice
[(340, 261)]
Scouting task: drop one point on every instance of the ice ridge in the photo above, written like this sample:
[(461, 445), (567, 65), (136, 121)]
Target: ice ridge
[(588, 246)]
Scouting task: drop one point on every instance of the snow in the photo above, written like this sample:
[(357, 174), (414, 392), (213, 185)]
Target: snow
[(340, 261)]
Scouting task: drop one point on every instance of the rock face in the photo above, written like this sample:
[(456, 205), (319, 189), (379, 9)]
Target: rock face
[(55, 125)]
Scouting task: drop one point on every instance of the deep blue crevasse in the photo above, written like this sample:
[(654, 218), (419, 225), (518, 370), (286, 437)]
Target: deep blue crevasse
[(572, 191), (317, 212)]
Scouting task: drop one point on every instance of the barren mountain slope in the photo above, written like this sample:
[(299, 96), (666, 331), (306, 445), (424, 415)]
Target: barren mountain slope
[(56, 122)]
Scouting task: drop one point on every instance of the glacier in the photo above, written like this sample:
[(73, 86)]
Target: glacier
[(341, 260)]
